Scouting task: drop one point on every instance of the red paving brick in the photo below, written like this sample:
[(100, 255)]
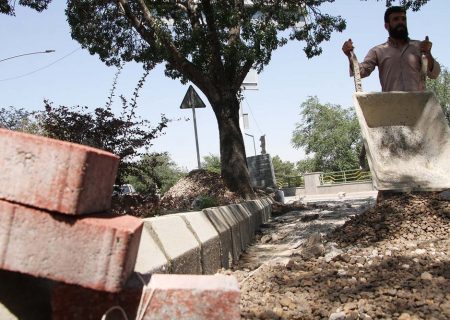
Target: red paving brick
[(98, 251), (200, 297), (55, 175)]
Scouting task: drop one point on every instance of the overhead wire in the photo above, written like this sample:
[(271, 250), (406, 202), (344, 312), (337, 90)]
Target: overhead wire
[(251, 112), (40, 69)]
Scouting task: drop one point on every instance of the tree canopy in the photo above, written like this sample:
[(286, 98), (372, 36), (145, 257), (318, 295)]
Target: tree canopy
[(441, 87), (8, 6), (211, 43), (154, 173), (211, 163), (330, 134)]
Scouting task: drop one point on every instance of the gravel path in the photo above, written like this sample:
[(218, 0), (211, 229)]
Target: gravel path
[(391, 261)]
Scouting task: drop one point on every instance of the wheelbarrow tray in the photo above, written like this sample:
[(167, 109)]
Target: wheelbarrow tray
[(407, 140)]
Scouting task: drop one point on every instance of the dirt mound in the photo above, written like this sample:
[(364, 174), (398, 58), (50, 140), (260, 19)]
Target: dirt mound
[(414, 216), (198, 189)]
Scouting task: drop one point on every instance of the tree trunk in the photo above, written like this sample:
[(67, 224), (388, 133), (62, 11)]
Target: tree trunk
[(362, 159), (234, 168)]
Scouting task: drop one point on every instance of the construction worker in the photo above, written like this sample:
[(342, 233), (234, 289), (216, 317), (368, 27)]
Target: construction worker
[(399, 60)]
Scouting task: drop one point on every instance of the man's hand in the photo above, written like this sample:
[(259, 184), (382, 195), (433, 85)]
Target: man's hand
[(347, 47), (425, 46)]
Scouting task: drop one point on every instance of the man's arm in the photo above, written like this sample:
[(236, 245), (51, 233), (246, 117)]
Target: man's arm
[(433, 66), (367, 66)]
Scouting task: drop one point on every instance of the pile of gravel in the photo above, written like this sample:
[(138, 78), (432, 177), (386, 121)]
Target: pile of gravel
[(197, 184), (390, 262)]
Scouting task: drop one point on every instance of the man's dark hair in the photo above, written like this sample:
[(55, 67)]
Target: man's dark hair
[(393, 10)]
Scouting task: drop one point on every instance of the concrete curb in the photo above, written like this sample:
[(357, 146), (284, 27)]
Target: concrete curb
[(200, 242)]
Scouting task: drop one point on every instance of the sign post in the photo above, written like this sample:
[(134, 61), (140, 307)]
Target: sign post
[(191, 101)]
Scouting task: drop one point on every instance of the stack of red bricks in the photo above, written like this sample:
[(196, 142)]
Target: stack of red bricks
[(54, 198)]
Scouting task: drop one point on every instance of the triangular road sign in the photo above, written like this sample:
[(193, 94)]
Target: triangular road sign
[(192, 99)]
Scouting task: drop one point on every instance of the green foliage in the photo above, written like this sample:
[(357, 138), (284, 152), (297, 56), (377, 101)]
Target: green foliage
[(124, 135), (18, 120), (7, 6), (283, 168), (307, 165), (441, 87), (203, 202), (330, 134), (154, 173), (211, 163), (210, 43)]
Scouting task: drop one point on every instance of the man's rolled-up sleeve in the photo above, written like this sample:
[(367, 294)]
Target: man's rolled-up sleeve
[(367, 66), (434, 73)]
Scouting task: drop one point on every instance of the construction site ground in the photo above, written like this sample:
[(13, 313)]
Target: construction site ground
[(351, 259)]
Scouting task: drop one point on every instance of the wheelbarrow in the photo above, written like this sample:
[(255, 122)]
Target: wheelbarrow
[(406, 136)]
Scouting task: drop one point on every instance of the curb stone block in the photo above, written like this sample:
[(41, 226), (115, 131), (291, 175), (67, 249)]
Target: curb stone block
[(252, 219), (206, 297), (253, 216), (262, 204), (177, 242), (244, 222), (257, 213), (98, 251), (150, 258), (208, 238), (233, 224), (224, 231), (55, 175)]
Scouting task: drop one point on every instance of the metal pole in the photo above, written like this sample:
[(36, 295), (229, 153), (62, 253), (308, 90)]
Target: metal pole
[(27, 54), (254, 146), (196, 137)]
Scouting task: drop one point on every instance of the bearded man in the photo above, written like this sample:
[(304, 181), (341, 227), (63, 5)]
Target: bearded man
[(399, 60)]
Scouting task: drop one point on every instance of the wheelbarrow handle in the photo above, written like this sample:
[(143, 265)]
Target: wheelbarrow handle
[(424, 70), (356, 72)]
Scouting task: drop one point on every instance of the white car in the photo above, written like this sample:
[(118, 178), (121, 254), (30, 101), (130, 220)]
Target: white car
[(124, 189)]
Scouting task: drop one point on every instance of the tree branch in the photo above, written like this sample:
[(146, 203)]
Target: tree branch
[(213, 37), (156, 34)]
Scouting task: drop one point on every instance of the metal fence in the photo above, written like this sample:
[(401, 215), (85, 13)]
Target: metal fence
[(327, 178), (290, 182)]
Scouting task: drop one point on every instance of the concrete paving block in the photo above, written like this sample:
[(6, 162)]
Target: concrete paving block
[(224, 231), (208, 238), (256, 209), (244, 224), (55, 175), (250, 208), (206, 297), (268, 208), (234, 225), (177, 242), (252, 224), (98, 251), (150, 258)]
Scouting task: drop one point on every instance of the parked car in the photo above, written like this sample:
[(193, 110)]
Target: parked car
[(124, 189)]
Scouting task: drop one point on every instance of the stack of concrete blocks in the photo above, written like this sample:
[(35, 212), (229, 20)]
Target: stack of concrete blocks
[(200, 242), (60, 250), (186, 243)]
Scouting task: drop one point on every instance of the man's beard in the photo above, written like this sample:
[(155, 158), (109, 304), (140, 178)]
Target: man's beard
[(400, 32)]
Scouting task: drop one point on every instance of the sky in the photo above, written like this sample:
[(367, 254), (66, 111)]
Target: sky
[(71, 76)]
